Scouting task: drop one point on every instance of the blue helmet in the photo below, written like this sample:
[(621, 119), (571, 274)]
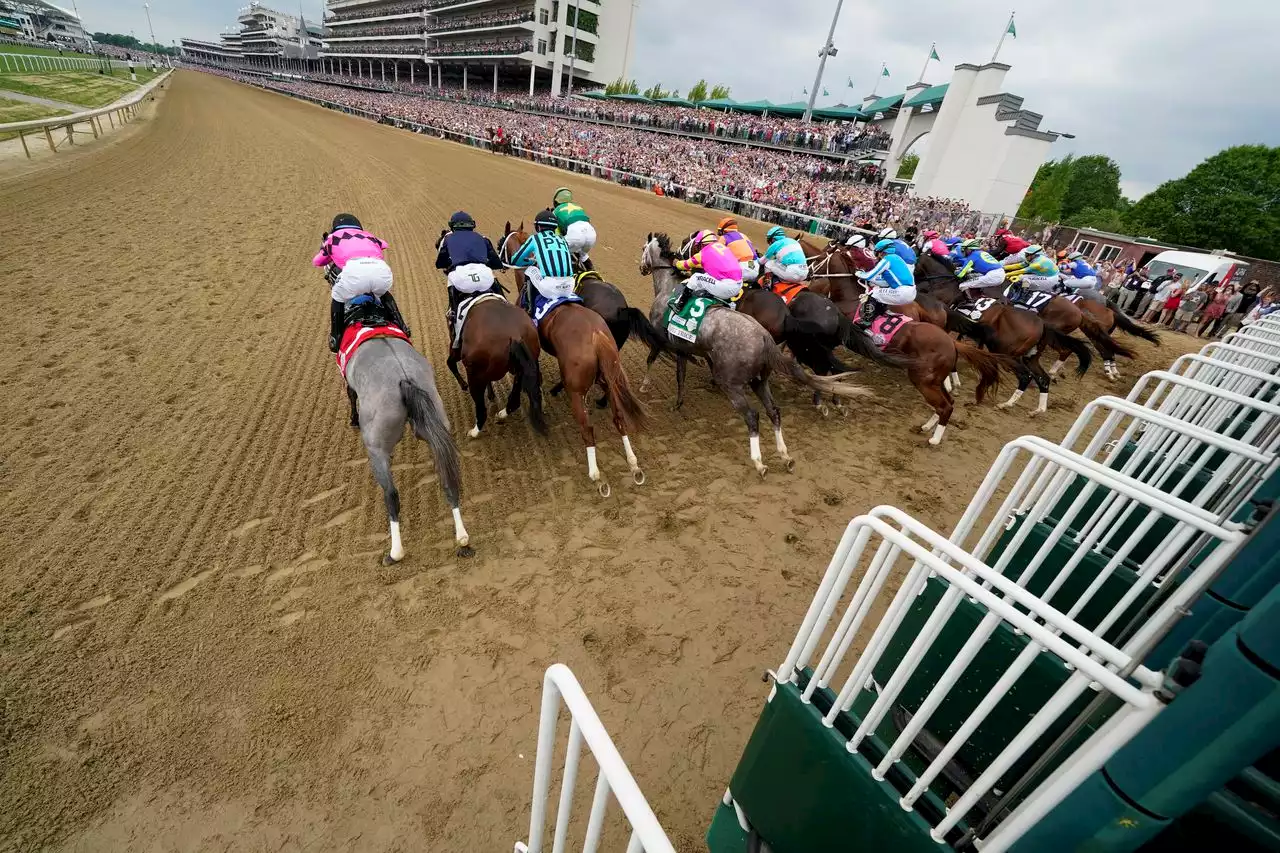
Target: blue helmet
[(461, 220), (775, 233), (887, 246), (952, 241)]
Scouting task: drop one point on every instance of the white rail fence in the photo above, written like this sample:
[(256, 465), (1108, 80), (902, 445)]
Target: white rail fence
[(37, 62), (559, 687), (121, 112)]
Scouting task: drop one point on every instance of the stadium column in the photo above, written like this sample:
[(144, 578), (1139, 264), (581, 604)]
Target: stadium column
[(464, 76), (495, 78), (532, 68)]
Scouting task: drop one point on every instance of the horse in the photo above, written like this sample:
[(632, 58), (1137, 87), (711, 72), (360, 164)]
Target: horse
[(499, 339), (390, 383), (1005, 329), (832, 269), (739, 351)]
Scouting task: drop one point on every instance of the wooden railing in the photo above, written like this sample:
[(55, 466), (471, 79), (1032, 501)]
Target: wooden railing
[(122, 111)]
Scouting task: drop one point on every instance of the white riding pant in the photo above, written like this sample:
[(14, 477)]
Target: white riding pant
[(1044, 283), (721, 288), (750, 271), (361, 276), (581, 237), (1089, 282), (990, 278), (471, 278), (794, 273), (894, 295), (551, 288)]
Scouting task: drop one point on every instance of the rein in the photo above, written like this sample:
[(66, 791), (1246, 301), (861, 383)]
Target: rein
[(504, 253)]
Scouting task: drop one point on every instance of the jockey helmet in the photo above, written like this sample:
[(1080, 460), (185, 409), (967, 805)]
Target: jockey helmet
[(930, 234), (857, 241), (702, 238), (461, 219), (952, 241), (1075, 256), (563, 195), (1033, 250), (1062, 255), (969, 245), (887, 245), (888, 234), (775, 233), (1002, 232), (545, 221), (346, 220), (727, 223)]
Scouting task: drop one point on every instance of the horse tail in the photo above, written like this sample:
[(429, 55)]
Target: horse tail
[(965, 327), (1052, 337), (638, 324), (625, 406), (988, 366), (1129, 326), (1107, 345), (430, 425), (861, 344), (530, 379), (780, 362)]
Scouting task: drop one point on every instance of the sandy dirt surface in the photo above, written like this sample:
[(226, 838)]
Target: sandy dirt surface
[(199, 649)]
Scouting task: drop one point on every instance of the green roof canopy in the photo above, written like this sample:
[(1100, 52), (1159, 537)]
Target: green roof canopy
[(752, 106), (932, 95), (795, 108), (675, 102), (626, 97), (719, 104), (598, 96), (884, 105), (845, 113)]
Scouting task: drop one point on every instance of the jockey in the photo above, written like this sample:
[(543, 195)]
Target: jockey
[(1005, 244), (546, 260), (575, 226), (892, 280), (932, 244), (714, 270), (1040, 273), (974, 260), (469, 260), (784, 259), (742, 247), (905, 252), (357, 255), (1081, 277)]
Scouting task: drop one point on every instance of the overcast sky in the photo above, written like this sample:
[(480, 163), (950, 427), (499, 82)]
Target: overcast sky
[(1156, 84)]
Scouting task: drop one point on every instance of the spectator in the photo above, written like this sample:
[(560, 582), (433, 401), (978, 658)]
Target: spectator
[(1215, 311), (1240, 305), (1150, 288), (1190, 307), (1131, 290), (1172, 299)]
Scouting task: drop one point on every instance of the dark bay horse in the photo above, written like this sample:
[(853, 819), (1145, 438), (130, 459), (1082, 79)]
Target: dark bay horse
[(1005, 329), (499, 339), (832, 269), (739, 351), (392, 383)]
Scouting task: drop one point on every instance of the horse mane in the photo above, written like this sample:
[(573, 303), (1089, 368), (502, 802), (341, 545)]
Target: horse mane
[(664, 246)]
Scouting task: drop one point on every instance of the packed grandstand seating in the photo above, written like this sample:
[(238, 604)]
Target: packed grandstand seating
[(363, 48), (483, 47), (493, 19), (380, 11), (682, 166), (414, 29), (71, 49)]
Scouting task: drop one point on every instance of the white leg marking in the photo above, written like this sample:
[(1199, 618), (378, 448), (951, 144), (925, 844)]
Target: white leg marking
[(474, 432), (632, 462), (1057, 366), (936, 439), (397, 546), (1008, 404), (502, 414), (459, 532), (756, 458), (592, 471), (1044, 403), (955, 381), (931, 423)]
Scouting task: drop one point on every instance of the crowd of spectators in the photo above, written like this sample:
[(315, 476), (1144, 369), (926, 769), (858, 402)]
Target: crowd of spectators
[(1166, 298), (365, 12), (482, 47), (493, 19), (395, 49), (366, 30), (699, 169), (76, 49)]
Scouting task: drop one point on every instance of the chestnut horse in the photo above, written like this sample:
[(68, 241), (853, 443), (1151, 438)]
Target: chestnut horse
[(499, 339)]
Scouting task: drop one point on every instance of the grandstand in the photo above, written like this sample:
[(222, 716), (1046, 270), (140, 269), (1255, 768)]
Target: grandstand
[(40, 21), (263, 37)]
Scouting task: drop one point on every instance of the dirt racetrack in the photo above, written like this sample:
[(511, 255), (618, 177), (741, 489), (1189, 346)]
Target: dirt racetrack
[(199, 648)]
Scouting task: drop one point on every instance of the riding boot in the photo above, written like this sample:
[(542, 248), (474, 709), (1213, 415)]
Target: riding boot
[(682, 296), (337, 323), (389, 303), (870, 310), (586, 263)]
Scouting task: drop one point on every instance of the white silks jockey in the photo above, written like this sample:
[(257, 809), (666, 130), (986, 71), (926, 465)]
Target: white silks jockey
[(891, 283)]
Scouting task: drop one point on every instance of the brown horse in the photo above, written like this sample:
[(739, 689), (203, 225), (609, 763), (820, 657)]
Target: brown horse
[(1006, 329), (833, 267), (499, 339), (1109, 317)]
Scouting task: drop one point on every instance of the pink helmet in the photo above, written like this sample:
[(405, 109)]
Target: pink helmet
[(930, 234)]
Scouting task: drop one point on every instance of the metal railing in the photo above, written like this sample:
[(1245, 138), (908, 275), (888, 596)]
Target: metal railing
[(560, 687), (124, 110), (37, 62)]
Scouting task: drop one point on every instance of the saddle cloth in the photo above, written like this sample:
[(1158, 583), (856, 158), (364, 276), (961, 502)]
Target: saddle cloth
[(357, 335), (464, 308), (542, 306), (1031, 300), (885, 327), (788, 290), (974, 310)]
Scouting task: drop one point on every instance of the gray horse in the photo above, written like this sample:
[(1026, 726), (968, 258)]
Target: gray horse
[(391, 383), (739, 351)]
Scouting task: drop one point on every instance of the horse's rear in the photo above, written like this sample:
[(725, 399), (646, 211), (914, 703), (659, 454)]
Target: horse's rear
[(499, 339), (395, 384)]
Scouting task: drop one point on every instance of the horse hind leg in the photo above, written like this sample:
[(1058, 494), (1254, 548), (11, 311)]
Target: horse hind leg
[(738, 399), (1042, 382), (380, 462), (940, 400), (513, 400), (1024, 381), (762, 391), (577, 401), (482, 409), (637, 475), (355, 409)]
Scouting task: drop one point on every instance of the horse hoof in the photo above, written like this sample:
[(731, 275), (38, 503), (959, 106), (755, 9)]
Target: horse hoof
[(637, 476), (603, 488), (762, 470), (1004, 406), (465, 551), (388, 560), (1037, 413), (825, 411), (355, 424), (474, 432), (791, 466), (502, 415)]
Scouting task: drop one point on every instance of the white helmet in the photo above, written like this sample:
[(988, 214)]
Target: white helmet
[(857, 241), (888, 234)]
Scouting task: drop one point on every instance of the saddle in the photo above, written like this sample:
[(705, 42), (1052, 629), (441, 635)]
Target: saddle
[(585, 275), (788, 290), (368, 311)]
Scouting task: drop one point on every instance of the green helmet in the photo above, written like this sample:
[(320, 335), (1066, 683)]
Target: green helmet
[(970, 245), (563, 195)]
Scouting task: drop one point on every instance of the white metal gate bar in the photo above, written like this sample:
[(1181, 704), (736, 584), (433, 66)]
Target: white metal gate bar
[(901, 535), (1228, 375), (614, 778), (1206, 405), (1232, 354)]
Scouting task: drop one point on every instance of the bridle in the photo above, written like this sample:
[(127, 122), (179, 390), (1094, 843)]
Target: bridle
[(504, 249)]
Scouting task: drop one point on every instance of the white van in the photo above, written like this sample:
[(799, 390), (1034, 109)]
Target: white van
[(1197, 268)]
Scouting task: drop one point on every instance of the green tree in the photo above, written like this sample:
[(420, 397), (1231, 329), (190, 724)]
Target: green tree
[(656, 91), (622, 87), (719, 92), (130, 43), (907, 169), (1101, 218), (1048, 189), (1230, 201), (1094, 183), (698, 92)]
